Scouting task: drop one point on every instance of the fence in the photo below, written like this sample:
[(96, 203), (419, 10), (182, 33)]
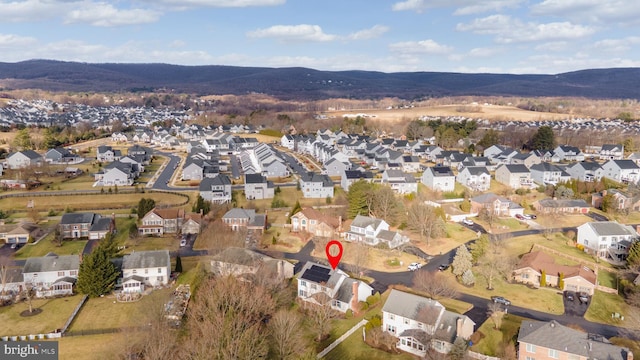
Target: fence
[(75, 312)]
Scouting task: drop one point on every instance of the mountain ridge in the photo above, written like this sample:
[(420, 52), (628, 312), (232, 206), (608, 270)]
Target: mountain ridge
[(310, 84)]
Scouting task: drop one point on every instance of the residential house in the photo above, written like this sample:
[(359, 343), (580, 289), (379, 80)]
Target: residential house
[(13, 283), (335, 167), (321, 285), (21, 233), (561, 206), (514, 176), (476, 178), (411, 164), (495, 205), (400, 182), (61, 155), (606, 151), (24, 159), (192, 223), (551, 340), (316, 223), (635, 157), (314, 185), (106, 153), (257, 187), (51, 275), (241, 262), (608, 240), (622, 200), (545, 173), (288, 141), (238, 219), (158, 222), (526, 159), (569, 153), (439, 178), (624, 171), (371, 231), (577, 278), (588, 171), (85, 225), (144, 269), (351, 176), (423, 324), (216, 190)]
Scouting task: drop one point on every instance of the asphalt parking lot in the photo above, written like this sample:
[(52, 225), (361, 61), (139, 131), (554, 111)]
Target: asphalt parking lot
[(575, 307)]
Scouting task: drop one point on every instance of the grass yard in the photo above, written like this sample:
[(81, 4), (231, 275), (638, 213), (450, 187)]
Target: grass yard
[(289, 194), (377, 259), (286, 241), (169, 242), (90, 347), (89, 202), (106, 313), (608, 279), (564, 220), (491, 341), (55, 313), (632, 345), (457, 235), (46, 245), (603, 305)]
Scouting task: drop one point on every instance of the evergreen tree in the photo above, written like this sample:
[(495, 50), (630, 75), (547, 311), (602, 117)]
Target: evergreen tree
[(543, 139), (201, 204), (178, 264), (633, 259), (144, 206), (462, 261), (97, 275), (479, 247), (296, 209), (543, 278), (561, 281), (468, 278), (23, 140), (357, 196), (491, 137)]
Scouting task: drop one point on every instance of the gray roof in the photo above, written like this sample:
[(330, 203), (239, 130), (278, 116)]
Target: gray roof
[(254, 179), (52, 262), (563, 203), (611, 228), (408, 305), (626, 164), (477, 170), (439, 171), (517, 169), (146, 259), (101, 224), (239, 213), (552, 335), (345, 292), (364, 221), (78, 218)]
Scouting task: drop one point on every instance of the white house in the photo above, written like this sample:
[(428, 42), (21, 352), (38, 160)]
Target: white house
[(23, 159), (216, 190), (372, 231), (439, 178), (569, 153), (423, 324), (608, 240), (476, 178), (625, 171), (106, 153), (321, 285), (51, 275), (145, 269), (314, 185), (514, 176), (588, 171), (400, 182), (257, 187), (545, 173), (335, 167), (351, 176)]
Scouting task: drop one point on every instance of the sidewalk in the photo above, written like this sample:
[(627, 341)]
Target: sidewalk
[(341, 339)]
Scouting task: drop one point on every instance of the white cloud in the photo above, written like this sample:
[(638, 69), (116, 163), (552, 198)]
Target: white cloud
[(464, 7), (484, 52), (553, 46), (101, 14), (218, 3), (371, 33), (13, 41), (508, 30), (301, 32), (30, 10), (606, 12), (617, 45), (420, 47)]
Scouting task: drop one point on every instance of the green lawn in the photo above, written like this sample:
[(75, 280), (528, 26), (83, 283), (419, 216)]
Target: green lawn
[(91, 347), (603, 305), (46, 245), (143, 243), (608, 279), (106, 313), (55, 313), (490, 341)]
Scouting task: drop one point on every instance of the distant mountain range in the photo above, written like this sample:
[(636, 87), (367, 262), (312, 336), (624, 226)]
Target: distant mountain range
[(308, 84)]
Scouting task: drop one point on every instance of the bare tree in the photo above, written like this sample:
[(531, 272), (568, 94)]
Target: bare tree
[(359, 256), (284, 328), (423, 219), (217, 236), (495, 262), (487, 215), (435, 284), (320, 316), (383, 203), (29, 291), (4, 273), (157, 341), (496, 313)]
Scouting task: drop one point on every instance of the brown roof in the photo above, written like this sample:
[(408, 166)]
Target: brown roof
[(171, 213), (539, 261), (311, 213), (194, 216)]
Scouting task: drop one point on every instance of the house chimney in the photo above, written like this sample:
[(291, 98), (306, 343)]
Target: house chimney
[(604, 193), (459, 323), (629, 355), (354, 299), (340, 223)]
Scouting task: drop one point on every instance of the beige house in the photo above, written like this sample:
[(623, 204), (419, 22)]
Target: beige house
[(162, 221), (192, 223), (241, 262), (316, 223), (577, 278)]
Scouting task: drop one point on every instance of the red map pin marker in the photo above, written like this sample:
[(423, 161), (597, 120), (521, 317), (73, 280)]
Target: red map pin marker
[(334, 259)]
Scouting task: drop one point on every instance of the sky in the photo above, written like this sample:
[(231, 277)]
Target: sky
[(470, 36)]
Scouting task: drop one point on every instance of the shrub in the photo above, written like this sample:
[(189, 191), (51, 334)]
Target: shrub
[(362, 305), (348, 314), (374, 322), (580, 247), (271, 132), (373, 299), (522, 191), (52, 213), (329, 200)]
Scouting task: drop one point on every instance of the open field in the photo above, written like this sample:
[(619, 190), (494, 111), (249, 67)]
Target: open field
[(55, 313), (91, 347), (46, 245), (490, 112), (377, 259)]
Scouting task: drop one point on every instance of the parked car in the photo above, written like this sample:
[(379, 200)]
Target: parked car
[(569, 295), (583, 297), (414, 266), (519, 217), (533, 217), (443, 267), (14, 245), (467, 221), (183, 242), (500, 300)]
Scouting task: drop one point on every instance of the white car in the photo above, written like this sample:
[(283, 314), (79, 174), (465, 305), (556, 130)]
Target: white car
[(183, 242), (414, 266), (467, 222)]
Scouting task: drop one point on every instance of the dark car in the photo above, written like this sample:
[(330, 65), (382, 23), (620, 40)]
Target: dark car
[(533, 217), (519, 217), (569, 295), (500, 300), (443, 267)]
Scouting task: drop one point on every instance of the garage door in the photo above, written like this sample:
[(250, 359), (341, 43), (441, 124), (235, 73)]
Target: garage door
[(585, 289), (570, 287)]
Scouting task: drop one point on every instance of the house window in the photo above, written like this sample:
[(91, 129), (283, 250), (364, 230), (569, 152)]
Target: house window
[(573, 357), (303, 283), (160, 279), (134, 271), (553, 353), (159, 270), (313, 287), (146, 271), (407, 321), (530, 358), (531, 348), (391, 317), (61, 273), (391, 329), (73, 273), (302, 293)]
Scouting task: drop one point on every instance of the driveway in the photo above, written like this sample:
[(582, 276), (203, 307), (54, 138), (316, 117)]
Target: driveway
[(574, 307)]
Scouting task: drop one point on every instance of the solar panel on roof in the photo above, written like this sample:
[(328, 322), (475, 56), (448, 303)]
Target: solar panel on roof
[(317, 274)]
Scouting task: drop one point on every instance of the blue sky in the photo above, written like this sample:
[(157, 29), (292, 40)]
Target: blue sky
[(498, 36)]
